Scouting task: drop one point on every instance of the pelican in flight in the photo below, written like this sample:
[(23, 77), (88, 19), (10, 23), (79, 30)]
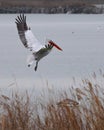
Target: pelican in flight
[(30, 42)]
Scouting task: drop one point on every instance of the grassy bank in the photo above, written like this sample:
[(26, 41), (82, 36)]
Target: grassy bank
[(81, 108)]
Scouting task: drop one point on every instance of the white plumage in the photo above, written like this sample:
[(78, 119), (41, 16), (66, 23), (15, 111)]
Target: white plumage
[(30, 42)]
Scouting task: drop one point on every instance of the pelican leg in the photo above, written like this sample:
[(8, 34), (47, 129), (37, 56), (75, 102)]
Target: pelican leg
[(36, 66)]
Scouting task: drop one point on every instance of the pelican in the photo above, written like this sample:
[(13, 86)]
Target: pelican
[(30, 42)]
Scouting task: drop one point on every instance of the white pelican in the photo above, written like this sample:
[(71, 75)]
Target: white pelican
[(30, 42)]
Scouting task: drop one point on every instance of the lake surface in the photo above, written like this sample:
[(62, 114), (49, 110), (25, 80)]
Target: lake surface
[(80, 36)]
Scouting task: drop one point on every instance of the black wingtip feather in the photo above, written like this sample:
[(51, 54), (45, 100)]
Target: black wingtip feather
[(20, 19), (17, 21), (21, 16)]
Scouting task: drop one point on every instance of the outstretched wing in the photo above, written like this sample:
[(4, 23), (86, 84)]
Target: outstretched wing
[(26, 35)]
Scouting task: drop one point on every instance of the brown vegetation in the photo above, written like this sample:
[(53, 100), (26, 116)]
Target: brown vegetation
[(79, 109)]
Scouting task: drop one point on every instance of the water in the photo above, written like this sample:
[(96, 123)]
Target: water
[(80, 36)]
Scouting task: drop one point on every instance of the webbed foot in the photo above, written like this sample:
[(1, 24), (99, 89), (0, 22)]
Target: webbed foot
[(29, 65)]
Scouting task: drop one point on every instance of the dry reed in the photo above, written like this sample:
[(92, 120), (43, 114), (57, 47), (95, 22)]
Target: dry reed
[(84, 110)]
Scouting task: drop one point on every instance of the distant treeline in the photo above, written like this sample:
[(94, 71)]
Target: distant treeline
[(48, 3), (48, 6)]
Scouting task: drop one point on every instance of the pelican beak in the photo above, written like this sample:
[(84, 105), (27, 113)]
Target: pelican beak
[(54, 44)]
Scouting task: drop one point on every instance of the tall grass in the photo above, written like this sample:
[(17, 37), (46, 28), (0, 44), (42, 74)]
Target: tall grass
[(79, 109)]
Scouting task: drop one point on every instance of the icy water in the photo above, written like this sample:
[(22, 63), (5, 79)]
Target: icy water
[(80, 36)]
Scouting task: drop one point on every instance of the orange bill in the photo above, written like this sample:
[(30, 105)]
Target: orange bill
[(54, 44)]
